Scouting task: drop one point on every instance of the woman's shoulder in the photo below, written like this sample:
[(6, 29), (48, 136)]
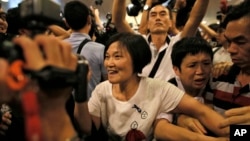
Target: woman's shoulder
[(154, 82), (103, 87)]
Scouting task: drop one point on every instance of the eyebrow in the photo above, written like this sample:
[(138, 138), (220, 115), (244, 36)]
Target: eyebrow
[(161, 11), (240, 37)]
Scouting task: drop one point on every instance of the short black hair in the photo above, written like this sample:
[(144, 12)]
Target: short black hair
[(237, 12), (137, 47), (189, 45), (167, 7), (76, 14)]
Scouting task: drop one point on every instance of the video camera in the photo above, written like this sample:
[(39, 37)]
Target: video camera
[(109, 29), (136, 6), (36, 15)]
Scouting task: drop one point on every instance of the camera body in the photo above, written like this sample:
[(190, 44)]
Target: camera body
[(38, 14), (102, 36), (10, 51)]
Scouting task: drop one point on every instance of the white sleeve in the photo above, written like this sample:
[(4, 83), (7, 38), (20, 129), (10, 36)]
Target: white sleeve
[(94, 104), (167, 116)]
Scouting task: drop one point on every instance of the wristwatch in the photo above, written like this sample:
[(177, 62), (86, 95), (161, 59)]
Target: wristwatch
[(146, 7), (175, 10)]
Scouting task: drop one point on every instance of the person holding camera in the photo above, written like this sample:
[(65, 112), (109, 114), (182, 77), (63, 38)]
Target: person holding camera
[(50, 120), (5, 115)]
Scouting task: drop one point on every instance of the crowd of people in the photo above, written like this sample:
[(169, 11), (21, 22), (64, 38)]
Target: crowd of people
[(165, 81)]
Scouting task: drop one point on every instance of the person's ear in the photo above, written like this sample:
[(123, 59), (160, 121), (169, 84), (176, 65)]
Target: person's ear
[(89, 20), (176, 70)]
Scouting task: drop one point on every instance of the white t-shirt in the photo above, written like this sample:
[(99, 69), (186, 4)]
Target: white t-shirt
[(119, 117), (165, 69), (221, 55)]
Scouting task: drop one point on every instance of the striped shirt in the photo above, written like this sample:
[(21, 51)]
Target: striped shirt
[(228, 92)]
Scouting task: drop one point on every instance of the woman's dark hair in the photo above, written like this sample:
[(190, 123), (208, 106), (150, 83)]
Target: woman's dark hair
[(137, 47), (189, 45)]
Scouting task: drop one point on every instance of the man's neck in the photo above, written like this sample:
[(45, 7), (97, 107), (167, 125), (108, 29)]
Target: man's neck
[(194, 92), (82, 30), (245, 71), (158, 40)]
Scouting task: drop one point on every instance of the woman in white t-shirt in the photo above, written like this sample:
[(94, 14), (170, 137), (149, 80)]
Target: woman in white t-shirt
[(128, 105)]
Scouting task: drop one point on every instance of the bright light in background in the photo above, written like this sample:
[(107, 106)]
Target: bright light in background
[(57, 1), (13, 3), (204, 22)]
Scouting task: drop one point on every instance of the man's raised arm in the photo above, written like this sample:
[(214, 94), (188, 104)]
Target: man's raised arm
[(119, 15), (196, 15)]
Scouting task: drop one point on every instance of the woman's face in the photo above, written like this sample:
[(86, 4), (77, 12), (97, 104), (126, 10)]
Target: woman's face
[(195, 71), (118, 63)]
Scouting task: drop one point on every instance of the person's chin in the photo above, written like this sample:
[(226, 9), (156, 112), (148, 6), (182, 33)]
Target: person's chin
[(159, 31), (113, 81), (199, 85)]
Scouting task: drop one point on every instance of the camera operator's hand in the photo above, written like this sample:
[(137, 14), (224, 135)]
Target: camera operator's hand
[(38, 53), (46, 50), (5, 122)]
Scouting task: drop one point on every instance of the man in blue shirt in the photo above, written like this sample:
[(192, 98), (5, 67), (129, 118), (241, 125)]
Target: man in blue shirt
[(78, 18)]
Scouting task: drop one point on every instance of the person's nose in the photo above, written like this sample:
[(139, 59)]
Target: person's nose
[(199, 69), (109, 62), (232, 48)]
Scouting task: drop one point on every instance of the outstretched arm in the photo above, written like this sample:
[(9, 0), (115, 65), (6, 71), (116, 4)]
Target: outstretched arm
[(196, 15), (144, 18), (179, 4), (237, 116), (98, 20), (204, 114), (119, 15), (208, 30), (176, 133)]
